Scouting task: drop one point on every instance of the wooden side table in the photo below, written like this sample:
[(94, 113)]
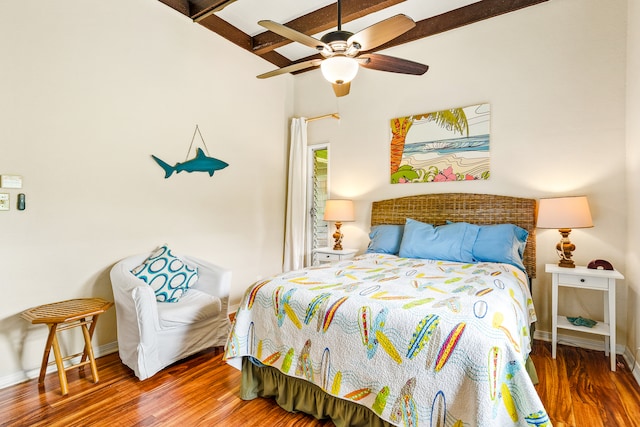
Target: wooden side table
[(585, 278), (63, 315)]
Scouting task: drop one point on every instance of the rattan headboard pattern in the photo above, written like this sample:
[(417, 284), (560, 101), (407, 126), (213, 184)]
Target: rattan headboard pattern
[(473, 208)]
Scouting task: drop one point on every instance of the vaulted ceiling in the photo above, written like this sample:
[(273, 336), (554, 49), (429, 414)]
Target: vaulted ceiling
[(236, 20)]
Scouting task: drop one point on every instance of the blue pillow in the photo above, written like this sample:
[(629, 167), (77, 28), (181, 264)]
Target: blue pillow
[(168, 275), (501, 243), (451, 242), (385, 239)]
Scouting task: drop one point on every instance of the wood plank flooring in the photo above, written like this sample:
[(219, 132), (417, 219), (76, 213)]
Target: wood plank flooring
[(577, 389)]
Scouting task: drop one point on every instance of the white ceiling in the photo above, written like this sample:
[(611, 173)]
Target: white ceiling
[(245, 15)]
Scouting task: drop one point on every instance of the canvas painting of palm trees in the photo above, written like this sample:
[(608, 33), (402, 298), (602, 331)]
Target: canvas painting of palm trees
[(447, 145)]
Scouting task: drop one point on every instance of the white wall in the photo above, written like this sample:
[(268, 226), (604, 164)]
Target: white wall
[(554, 75), (633, 189), (90, 89)]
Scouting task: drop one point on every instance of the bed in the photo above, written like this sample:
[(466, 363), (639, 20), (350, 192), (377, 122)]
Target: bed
[(410, 338)]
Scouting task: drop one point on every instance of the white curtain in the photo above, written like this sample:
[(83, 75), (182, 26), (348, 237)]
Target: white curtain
[(295, 223)]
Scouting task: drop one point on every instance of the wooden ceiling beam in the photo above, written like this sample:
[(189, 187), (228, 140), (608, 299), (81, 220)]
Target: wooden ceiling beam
[(182, 6), (460, 17), (196, 9), (241, 39), (457, 18), (325, 18), (228, 31), (320, 20), (203, 8)]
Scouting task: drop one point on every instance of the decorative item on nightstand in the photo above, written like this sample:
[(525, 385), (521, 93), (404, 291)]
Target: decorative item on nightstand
[(564, 213), (338, 211), (600, 264)]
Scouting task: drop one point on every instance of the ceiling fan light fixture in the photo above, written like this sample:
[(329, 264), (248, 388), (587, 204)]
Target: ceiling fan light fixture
[(339, 69), (341, 50)]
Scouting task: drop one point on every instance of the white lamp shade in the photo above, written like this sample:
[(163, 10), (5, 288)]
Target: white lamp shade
[(339, 69), (564, 212), (339, 210)]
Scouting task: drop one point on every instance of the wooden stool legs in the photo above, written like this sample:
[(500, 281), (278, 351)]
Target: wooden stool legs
[(52, 341), (88, 349), (62, 375)]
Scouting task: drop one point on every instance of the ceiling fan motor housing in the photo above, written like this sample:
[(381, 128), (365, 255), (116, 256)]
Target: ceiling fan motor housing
[(336, 36), (338, 42)]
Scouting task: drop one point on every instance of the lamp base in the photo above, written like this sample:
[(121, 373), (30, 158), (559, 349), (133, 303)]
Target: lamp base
[(567, 263), (337, 236), (565, 249)]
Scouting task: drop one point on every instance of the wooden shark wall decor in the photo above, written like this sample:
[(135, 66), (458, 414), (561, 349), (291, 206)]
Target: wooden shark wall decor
[(200, 163)]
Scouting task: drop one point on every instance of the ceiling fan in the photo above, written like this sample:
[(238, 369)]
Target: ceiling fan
[(342, 51)]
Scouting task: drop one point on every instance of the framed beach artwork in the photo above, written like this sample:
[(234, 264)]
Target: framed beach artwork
[(447, 145)]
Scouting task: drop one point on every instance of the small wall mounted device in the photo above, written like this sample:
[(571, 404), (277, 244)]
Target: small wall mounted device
[(21, 202), (600, 264), (10, 181), (4, 201)]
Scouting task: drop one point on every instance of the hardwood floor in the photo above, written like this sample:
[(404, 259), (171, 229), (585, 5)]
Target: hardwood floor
[(577, 389)]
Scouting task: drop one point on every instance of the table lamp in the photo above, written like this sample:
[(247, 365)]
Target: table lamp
[(564, 213), (338, 211)]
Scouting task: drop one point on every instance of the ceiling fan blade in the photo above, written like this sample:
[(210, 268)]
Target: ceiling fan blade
[(291, 68), (294, 35), (376, 61), (341, 89), (381, 32)]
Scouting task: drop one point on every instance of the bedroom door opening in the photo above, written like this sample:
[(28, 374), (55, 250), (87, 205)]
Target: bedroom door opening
[(318, 189)]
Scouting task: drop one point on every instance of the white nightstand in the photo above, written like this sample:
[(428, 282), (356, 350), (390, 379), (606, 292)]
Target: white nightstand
[(585, 278), (331, 255)]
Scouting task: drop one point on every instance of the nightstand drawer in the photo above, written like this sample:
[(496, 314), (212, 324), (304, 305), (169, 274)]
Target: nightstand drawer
[(323, 257), (581, 281), (328, 255)]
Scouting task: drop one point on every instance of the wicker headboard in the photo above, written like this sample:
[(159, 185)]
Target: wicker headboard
[(473, 208)]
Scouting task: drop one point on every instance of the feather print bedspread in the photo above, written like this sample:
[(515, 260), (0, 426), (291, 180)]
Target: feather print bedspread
[(420, 342)]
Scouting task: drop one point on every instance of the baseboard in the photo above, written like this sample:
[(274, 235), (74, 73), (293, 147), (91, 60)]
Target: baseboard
[(577, 341), (633, 361), (22, 376)]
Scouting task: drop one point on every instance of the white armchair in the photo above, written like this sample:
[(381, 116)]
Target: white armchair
[(153, 335)]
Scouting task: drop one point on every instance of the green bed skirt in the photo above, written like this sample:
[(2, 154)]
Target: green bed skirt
[(298, 395), (531, 369)]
